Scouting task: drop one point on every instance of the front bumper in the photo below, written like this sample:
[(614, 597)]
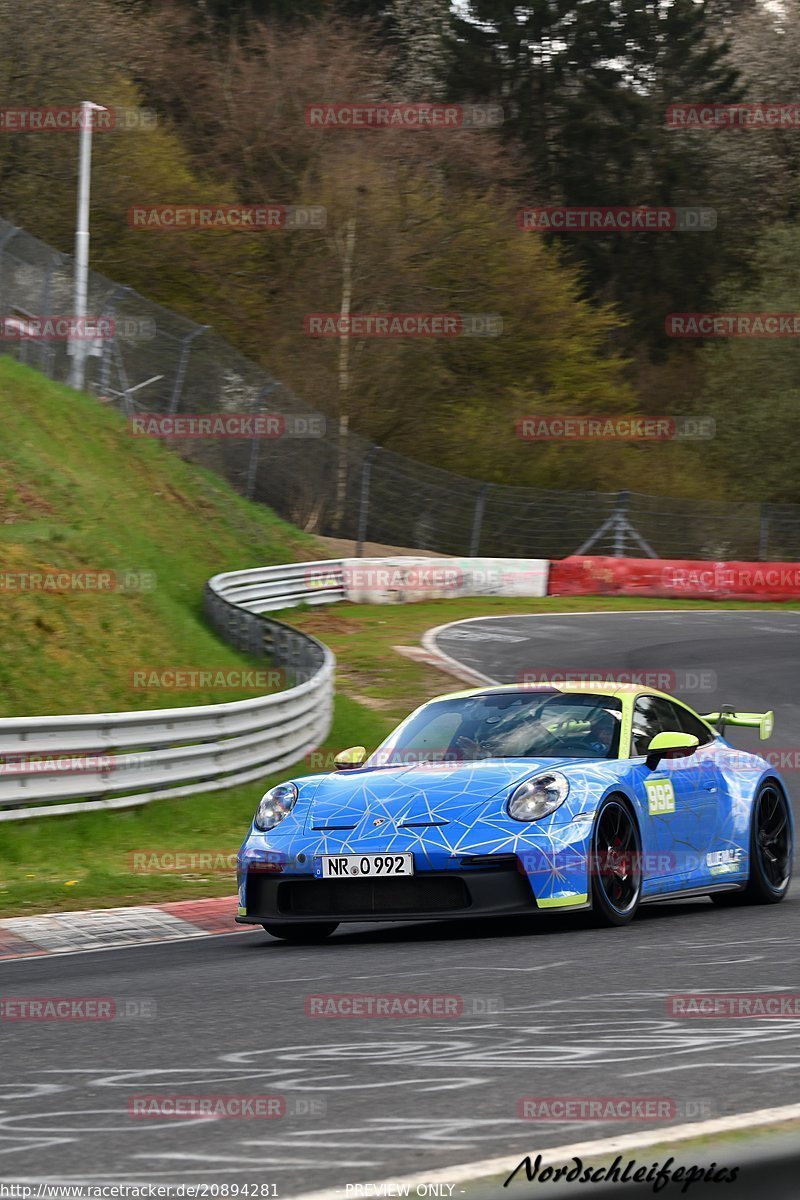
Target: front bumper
[(503, 890)]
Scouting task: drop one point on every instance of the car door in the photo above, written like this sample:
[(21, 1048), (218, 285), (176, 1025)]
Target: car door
[(677, 796), (716, 854)]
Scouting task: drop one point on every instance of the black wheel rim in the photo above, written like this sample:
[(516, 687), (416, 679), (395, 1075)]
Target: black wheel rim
[(773, 838), (618, 870)]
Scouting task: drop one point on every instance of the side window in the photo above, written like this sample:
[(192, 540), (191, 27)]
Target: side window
[(651, 715), (690, 724)]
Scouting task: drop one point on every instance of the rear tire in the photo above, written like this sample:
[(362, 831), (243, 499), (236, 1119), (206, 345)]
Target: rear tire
[(770, 852), (304, 933), (616, 864)]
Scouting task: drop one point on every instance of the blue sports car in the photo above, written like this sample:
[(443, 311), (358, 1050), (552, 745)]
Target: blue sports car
[(514, 799)]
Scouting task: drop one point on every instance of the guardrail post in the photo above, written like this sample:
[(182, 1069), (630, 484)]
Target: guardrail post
[(363, 507)]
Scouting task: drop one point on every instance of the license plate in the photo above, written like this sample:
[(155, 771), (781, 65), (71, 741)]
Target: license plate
[(357, 866)]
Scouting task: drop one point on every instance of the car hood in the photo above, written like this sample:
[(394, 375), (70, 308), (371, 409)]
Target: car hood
[(419, 795)]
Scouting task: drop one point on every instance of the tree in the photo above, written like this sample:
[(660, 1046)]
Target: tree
[(435, 231), (586, 87), (751, 385)]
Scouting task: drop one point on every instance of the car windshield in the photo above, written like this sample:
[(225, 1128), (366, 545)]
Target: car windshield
[(506, 725)]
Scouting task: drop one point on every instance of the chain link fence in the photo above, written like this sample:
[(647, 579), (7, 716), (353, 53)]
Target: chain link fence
[(160, 363)]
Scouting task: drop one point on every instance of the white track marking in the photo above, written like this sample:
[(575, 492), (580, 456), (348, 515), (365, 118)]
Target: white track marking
[(484, 1168)]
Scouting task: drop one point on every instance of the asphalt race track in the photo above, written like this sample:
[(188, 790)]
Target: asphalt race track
[(554, 1008)]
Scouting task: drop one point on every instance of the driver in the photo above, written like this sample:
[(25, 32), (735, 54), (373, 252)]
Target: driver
[(603, 733)]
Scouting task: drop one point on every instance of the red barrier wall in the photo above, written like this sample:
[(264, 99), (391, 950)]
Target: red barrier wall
[(682, 579)]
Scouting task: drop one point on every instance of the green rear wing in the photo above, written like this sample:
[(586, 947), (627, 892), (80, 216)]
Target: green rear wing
[(763, 722)]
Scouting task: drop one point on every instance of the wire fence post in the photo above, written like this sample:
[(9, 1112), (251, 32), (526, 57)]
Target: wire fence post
[(255, 445), (108, 346), (621, 515), (363, 504), (11, 232), (763, 533), (46, 355), (183, 364), (477, 520)]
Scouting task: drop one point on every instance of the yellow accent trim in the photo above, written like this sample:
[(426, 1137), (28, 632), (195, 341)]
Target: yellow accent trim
[(562, 901), (587, 685), (354, 754), (242, 911)]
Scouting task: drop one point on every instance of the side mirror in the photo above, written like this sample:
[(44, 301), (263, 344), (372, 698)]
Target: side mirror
[(670, 743), (354, 757)]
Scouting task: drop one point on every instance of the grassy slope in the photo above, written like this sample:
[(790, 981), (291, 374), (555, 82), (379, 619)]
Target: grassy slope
[(77, 492)]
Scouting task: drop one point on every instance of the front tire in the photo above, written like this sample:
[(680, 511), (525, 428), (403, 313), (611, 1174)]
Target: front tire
[(770, 852), (305, 933), (616, 864)]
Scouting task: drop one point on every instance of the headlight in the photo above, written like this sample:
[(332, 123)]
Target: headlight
[(538, 797), (274, 806)]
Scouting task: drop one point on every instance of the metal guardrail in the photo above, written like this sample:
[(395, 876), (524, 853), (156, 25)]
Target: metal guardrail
[(133, 758)]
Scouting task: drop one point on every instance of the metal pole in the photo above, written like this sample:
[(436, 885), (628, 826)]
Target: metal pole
[(344, 368), (480, 505), (620, 525), (47, 356), (180, 374), (81, 284), (255, 445), (7, 236), (366, 471), (105, 367), (763, 533)]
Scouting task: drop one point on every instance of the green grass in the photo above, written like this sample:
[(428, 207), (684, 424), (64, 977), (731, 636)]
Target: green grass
[(79, 493)]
